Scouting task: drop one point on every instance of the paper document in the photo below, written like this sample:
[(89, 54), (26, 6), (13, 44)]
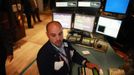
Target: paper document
[(86, 52)]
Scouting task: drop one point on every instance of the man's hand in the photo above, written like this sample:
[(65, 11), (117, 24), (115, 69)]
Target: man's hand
[(91, 66), (10, 58)]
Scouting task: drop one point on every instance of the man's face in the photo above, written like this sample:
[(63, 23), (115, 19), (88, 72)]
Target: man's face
[(55, 35)]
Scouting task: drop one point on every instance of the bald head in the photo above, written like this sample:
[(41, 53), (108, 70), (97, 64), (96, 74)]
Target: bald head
[(52, 25)]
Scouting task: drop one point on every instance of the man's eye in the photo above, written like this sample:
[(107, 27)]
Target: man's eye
[(53, 35)]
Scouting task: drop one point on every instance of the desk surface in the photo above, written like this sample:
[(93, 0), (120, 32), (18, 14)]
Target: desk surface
[(105, 60)]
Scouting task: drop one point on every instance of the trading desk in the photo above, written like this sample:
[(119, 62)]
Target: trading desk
[(105, 60)]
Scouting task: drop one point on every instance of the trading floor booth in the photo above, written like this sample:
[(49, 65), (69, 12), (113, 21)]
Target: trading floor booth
[(79, 29), (87, 33), (92, 46)]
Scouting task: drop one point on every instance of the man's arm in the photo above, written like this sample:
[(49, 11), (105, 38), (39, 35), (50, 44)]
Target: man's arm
[(83, 61)]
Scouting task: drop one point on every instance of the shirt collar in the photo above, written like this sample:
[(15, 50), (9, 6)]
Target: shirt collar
[(58, 48)]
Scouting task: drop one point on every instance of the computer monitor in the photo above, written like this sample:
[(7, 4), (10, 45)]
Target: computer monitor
[(89, 3), (64, 18), (84, 4), (84, 22), (66, 3), (108, 26), (61, 4), (116, 6)]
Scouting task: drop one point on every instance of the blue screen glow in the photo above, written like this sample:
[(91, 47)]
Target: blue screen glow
[(116, 6)]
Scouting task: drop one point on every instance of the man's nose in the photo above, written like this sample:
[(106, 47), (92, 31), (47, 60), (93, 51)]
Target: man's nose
[(57, 37)]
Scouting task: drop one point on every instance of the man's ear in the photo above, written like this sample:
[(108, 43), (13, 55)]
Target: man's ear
[(47, 34)]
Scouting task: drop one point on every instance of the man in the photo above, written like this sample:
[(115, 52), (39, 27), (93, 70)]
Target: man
[(52, 4), (57, 55), (28, 11), (35, 10)]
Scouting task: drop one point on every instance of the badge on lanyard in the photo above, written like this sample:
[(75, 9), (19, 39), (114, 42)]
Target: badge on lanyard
[(65, 44), (58, 65)]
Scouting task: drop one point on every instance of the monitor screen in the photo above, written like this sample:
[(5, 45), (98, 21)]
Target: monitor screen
[(64, 18), (61, 4), (108, 26), (84, 4), (84, 22), (66, 3), (116, 6), (95, 4)]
